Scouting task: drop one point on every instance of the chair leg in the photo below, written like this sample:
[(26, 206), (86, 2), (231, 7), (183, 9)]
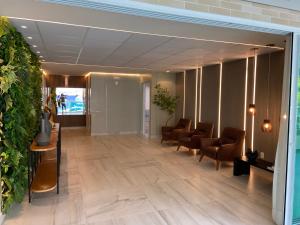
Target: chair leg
[(218, 165), (178, 147), (161, 141), (201, 157)]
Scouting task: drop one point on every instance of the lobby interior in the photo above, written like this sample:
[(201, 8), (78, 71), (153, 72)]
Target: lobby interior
[(113, 167)]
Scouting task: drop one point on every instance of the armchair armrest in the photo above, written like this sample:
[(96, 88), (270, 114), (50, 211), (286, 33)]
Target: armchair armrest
[(226, 150), (197, 137), (183, 134), (206, 142)]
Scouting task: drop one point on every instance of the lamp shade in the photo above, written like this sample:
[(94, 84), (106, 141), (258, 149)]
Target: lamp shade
[(252, 109), (266, 126)]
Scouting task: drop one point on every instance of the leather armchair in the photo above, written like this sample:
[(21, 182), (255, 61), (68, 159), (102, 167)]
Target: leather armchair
[(226, 148), (176, 132), (192, 140)]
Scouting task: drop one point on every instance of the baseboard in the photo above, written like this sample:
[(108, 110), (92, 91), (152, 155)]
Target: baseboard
[(120, 133), (72, 128), (2, 217)]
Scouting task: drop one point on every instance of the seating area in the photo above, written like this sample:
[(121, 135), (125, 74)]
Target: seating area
[(226, 148)]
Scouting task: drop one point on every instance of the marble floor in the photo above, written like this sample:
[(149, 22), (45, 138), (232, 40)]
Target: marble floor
[(130, 180)]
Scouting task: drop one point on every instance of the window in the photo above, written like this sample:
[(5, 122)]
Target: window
[(296, 212), (70, 101)]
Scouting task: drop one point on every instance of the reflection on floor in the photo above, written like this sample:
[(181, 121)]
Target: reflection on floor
[(129, 180)]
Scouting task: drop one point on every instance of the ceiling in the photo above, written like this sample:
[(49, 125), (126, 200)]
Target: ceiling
[(76, 50)]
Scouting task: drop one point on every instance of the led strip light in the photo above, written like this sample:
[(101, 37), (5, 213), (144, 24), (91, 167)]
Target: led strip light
[(220, 100), (245, 103), (196, 98), (183, 110), (253, 100), (200, 94)]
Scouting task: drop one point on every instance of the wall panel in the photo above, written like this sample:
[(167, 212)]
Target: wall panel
[(180, 94), (210, 95), (267, 142), (233, 94), (190, 95)]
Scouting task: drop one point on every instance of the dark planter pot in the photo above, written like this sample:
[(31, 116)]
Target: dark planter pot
[(251, 156)]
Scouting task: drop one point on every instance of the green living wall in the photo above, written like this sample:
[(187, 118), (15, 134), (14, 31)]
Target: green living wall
[(20, 108)]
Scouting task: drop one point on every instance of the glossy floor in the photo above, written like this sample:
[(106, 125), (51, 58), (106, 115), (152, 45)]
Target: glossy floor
[(129, 180)]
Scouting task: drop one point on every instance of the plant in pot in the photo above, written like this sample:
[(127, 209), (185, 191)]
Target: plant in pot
[(165, 101)]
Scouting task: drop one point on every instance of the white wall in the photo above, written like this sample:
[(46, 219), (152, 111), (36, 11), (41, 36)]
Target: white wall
[(158, 117), (115, 105)]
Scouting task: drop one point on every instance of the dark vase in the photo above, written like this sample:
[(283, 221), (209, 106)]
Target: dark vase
[(48, 126), (43, 137), (251, 156)]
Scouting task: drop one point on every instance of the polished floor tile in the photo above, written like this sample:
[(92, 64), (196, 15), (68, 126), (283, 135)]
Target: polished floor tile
[(131, 180)]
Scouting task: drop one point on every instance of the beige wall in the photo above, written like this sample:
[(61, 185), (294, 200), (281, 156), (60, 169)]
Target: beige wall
[(158, 117), (236, 8), (233, 98)]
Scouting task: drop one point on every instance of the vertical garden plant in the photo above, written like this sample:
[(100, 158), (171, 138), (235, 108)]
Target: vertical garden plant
[(20, 108)]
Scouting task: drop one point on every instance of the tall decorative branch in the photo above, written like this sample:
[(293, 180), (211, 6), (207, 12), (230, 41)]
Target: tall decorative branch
[(165, 101)]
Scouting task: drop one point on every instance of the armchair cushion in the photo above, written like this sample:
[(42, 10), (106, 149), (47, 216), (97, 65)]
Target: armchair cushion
[(226, 148), (176, 132)]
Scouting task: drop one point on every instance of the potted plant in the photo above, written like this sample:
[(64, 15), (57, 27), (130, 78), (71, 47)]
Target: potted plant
[(165, 101)]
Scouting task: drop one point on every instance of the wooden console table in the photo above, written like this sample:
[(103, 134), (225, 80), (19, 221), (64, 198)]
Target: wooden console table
[(241, 166), (44, 164)]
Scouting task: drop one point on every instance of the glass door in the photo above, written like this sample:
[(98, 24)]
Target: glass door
[(292, 204), (296, 198)]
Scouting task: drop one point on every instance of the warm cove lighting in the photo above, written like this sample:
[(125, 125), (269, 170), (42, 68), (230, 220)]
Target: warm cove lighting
[(196, 99), (253, 99), (116, 74), (183, 109), (245, 102), (200, 93), (220, 100)]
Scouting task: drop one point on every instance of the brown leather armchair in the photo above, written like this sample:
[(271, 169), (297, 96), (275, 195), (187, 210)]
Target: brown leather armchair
[(226, 148), (192, 139), (174, 133)]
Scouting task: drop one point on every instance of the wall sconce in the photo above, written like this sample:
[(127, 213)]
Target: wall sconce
[(252, 109), (267, 126)]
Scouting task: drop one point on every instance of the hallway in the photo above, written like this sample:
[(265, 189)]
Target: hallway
[(129, 180)]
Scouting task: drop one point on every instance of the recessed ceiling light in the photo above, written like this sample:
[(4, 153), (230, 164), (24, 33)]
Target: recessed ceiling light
[(43, 60), (41, 56), (168, 71), (38, 52), (24, 27), (29, 38), (34, 46)]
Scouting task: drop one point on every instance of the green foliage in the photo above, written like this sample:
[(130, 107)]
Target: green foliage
[(165, 101), (20, 108)]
